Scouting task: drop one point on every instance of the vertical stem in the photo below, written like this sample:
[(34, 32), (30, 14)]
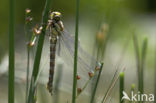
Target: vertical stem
[(96, 84), (155, 77), (142, 64), (121, 87), (136, 47), (39, 51), (11, 51), (76, 52), (144, 50), (27, 36), (132, 90), (27, 75)]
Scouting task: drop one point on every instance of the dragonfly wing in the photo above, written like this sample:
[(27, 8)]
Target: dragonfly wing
[(85, 60)]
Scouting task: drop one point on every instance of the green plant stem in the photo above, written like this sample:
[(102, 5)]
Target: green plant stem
[(83, 87), (140, 62), (11, 51), (75, 53), (96, 84), (39, 50), (155, 76), (136, 47), (132, 90), (27, 73), (144, 50), (28, 56), (121, 87), (86, 84), (135, 40)]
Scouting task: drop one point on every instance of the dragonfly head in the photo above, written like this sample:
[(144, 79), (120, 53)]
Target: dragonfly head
[(55, 15)]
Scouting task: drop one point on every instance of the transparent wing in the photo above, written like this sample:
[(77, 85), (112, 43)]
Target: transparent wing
[(65, 49), (85, 61)]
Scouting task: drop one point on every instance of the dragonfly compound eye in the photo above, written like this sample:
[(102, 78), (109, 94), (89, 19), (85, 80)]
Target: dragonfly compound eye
[(55, 15)]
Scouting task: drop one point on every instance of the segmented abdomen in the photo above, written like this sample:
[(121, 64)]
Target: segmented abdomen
[(52, 63)]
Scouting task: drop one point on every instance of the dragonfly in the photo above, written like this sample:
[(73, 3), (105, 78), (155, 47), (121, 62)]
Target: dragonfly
[(60, 40)]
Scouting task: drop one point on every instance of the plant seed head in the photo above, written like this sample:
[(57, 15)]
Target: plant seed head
[(31, 44), (97, 68), (78, 77), (79, 90), (91, 74), (28, 19), (100, 36), (27, 11)]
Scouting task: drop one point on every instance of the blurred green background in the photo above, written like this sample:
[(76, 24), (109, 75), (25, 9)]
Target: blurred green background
[(123, 17), (116, 12)]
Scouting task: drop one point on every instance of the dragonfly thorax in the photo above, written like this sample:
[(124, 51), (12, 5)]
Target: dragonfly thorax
[(55, 24)]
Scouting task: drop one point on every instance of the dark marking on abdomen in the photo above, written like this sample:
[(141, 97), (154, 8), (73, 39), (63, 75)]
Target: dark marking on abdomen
[(52, 64)]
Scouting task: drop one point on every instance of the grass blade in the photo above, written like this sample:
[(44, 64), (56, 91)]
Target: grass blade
[(132, 90), (155, 76), (144, 50), (75, 52), (121, 87), (135, 40), (140, 62), (11, 51), (39, 50), (96, 84)]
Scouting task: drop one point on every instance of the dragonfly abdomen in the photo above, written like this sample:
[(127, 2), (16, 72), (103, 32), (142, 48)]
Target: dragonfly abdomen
[(52, 63)]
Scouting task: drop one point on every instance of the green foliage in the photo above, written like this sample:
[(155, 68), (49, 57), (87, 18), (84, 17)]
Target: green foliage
[(121, 87), (35, 72), (76, 52), (96, 84), (140, 61), (11, 51)]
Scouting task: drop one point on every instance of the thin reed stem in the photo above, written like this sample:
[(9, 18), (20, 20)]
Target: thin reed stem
[(155, 76), (11, 51), (135, 40), (132, 90), (88, 81), (86, 84), (96, 84), (39, 50), (121, 87), (28, 69), (140, 62), (144, 50), (75, 52), (27, 36)]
